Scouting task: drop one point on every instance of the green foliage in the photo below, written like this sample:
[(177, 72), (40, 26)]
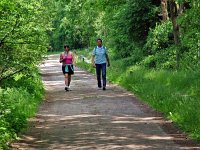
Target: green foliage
[(17, 104), (159, 38), (164, 59), (159, 48), (130, 28), (121, 24), (5, 134), (23, 44), (23, 38), (190, 30), (73, 24)]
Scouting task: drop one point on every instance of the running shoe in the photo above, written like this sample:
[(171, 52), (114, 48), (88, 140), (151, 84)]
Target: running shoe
[(66, 89)]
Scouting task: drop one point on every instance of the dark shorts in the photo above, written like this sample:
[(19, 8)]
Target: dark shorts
[(68, 69)]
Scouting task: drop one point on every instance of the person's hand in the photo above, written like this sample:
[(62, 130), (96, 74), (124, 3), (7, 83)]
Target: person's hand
[(93, 65), (63, 58), (108, 64)]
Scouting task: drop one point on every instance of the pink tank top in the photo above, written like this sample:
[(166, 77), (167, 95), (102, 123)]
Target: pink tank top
[(68, 59)]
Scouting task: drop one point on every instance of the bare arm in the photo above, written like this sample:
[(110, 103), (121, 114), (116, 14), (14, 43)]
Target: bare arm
[(61, 58), (93, 63), (108, 60)]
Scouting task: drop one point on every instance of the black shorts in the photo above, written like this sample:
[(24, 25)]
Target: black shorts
[(68, 69)]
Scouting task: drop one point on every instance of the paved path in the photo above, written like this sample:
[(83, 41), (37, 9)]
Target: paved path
[(90, 119)]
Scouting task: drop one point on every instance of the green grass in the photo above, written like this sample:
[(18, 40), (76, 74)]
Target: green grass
[(175, 93)]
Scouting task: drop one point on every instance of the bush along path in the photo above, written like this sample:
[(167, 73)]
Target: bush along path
[(88, 118)]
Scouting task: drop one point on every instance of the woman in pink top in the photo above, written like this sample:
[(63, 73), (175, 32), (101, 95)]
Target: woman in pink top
[(68, 60)]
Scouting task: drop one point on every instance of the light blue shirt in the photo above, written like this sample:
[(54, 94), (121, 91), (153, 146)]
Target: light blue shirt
[(100, 54)]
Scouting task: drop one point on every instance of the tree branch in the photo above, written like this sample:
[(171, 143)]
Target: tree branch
[(10, 75), (15, 25)]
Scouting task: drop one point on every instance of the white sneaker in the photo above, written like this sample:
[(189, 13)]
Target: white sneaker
[(69, 89)]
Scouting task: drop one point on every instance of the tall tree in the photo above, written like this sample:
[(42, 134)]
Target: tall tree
[(164, 10), (176, 33)]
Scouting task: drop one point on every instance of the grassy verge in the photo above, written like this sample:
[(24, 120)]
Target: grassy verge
[(176, 94), (19, 99)]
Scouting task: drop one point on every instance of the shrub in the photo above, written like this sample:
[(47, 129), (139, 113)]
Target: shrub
[(17, 103), (159, 38), (190, 37)]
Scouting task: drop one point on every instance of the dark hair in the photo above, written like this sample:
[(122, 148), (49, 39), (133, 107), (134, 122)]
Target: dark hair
[(66, 46), (99, 40)]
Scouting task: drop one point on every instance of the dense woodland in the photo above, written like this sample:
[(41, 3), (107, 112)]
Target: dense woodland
[(160, 35), (155, 33)]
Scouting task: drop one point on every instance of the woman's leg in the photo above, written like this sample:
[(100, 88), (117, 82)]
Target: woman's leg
[(69, 79), (66, 79)]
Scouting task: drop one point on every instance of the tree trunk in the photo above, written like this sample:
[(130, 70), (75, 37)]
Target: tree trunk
[(164, 10), (174, 14)]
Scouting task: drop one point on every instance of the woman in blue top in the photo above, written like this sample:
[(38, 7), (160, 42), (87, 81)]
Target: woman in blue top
[(99, 60)]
